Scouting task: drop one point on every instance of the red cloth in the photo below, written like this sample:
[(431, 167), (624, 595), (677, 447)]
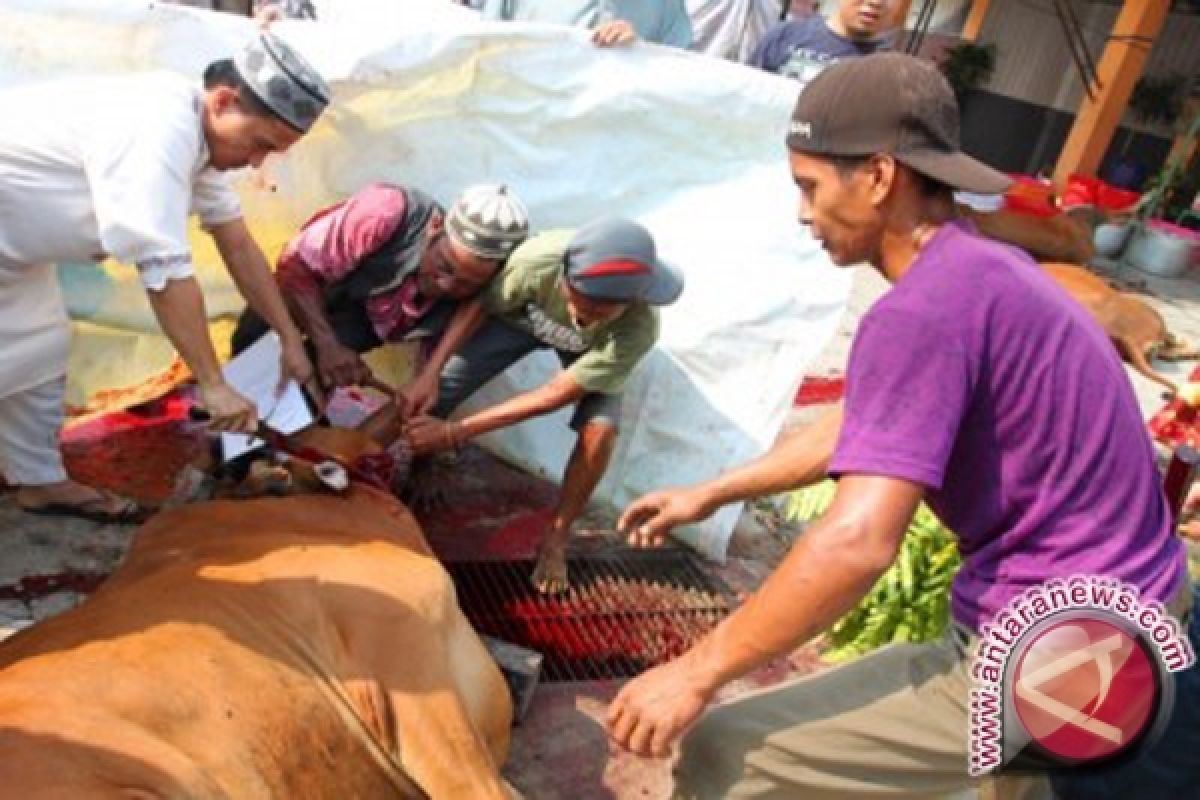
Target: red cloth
[(1177, 423), (1084, 190), (1030, 196)]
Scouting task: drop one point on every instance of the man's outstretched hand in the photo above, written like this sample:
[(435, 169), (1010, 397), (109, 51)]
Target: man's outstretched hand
[(227, 409), (657, 707), (429, 434), (648, 520), (338, 365), (418, 397)]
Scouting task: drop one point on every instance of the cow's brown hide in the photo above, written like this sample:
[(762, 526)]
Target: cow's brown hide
[(1137, 330), (299, 647), (1061, 238)]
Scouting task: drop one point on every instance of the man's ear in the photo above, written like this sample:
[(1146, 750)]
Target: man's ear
[(223, 98), (882, 171)]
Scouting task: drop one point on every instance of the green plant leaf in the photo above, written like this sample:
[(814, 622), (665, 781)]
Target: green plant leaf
[(911, 601)]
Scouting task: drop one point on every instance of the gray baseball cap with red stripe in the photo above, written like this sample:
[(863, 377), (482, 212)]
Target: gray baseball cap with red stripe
[(614, 260)]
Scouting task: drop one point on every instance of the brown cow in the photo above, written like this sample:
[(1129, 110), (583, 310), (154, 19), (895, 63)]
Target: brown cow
[(290, 647), (1062, 237), (1137, 330)]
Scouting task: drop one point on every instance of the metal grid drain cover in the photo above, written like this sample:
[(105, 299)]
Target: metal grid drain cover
[(623, 614)]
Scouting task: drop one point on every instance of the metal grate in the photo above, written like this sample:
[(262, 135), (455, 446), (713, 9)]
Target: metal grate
[(623, 614)]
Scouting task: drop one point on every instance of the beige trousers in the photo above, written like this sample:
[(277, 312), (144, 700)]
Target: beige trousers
[(891, 724)]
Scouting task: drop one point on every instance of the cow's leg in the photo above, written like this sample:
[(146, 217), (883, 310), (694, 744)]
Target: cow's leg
[(1176, 349), (1135, 355), (427, 689)]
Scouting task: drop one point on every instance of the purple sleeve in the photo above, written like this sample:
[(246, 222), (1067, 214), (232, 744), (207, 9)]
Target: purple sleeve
[(907, 389)]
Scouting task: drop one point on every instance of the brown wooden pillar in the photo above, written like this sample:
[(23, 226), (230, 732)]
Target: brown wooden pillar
[(975, 17), (1119, 69)]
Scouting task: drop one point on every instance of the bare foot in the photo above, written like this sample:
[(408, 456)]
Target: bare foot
[(70, 498), (550, 574), (66, 492)]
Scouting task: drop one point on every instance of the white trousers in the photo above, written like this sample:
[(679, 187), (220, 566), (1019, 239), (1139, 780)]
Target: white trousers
[(30, 420)]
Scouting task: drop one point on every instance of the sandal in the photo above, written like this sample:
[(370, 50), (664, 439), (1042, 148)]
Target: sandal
[(128, 512)]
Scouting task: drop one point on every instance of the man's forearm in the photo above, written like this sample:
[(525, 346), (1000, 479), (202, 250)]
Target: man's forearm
[(179, 307), (250, 273), (560, 392), (467, 319), (308, 309), (799, 459), (830, 568)]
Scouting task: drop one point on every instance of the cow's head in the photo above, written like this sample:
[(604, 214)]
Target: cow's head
[(317, 465)]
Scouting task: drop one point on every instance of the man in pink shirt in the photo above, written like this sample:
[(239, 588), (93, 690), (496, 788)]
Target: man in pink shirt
[(389, 264)]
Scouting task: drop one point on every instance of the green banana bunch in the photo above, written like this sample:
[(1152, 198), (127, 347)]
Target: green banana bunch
[(911, 601)]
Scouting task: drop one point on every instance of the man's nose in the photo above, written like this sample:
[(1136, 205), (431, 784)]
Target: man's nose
[(804, 212)]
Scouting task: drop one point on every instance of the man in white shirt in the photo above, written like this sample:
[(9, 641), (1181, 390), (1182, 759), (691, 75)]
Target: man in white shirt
[(114, 166)]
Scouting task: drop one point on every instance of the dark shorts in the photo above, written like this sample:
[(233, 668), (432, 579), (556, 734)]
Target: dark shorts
[(495, 347)]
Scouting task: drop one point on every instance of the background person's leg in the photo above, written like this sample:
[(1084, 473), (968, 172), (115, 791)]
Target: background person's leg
[(596, 423), (29, 424), (30, 457)]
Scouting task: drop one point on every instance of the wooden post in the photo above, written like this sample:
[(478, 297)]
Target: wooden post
[(975, 17), (1119, 70)]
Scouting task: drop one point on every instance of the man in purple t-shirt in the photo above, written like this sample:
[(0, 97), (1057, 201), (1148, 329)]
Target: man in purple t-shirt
[(976, 385), (801, 48)]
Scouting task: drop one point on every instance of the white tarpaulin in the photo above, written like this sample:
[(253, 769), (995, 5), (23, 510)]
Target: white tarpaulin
[(429, 96)]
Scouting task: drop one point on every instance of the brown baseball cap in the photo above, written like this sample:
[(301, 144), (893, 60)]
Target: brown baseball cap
[(889, 103)]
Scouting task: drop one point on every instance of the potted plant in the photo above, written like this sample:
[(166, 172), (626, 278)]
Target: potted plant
[(1155, 100), (1158, 246), (968, 66)]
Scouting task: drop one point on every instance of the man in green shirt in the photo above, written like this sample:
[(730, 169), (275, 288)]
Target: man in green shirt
[(588, 295)]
